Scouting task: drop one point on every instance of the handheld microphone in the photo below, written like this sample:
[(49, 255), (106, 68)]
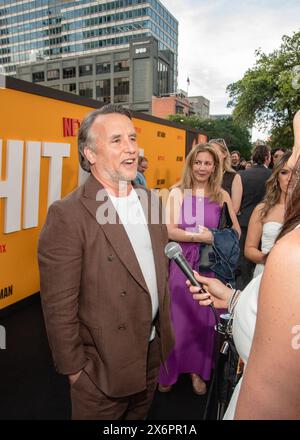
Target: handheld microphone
[(173, 251)]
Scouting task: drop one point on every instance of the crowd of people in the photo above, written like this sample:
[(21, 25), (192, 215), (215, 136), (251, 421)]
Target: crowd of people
[(120, 319), (266, 313)]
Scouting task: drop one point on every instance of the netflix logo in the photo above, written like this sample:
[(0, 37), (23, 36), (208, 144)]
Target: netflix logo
[(70, 126)]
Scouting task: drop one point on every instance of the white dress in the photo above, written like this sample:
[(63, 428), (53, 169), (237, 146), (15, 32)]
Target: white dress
[(270, 233), (243, 329)]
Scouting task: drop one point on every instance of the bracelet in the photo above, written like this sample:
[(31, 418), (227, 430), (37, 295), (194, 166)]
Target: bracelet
[(233, 300)]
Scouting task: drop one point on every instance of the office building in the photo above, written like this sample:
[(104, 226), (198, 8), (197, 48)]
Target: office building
[(127, 76), (48, 30), (201, 106), (172, 104)]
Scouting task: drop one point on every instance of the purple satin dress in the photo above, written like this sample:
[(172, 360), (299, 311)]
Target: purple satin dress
[(193, 325)]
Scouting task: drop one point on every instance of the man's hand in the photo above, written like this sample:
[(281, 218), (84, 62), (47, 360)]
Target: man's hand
[(74, 377)]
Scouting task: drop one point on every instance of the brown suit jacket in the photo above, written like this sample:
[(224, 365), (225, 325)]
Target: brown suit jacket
[(96, 304)]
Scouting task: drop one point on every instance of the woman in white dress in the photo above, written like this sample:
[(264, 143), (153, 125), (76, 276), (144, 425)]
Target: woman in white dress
[(267, 218), (266, 327)]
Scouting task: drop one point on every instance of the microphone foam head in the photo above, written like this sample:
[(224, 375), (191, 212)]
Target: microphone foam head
[(173, 249)]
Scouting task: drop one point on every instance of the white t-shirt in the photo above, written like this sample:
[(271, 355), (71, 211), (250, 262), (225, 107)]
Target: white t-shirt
[(133, 219)]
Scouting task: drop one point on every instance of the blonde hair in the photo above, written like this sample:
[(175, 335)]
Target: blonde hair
[(227, 160), (215, 179)]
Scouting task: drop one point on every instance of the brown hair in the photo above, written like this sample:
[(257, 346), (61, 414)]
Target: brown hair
[(214, 182), (273, 190), (260, 154), (292, 214), (142, 159), (227, 160)]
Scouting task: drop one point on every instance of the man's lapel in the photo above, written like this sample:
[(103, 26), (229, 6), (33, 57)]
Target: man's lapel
[(154, 215), (96, 201)]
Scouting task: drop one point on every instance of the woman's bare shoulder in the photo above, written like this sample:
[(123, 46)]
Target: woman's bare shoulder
[(287, 249), (225, 195), (237, 178)]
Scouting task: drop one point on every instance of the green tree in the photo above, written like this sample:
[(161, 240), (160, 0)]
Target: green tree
[(236, 135), (268, 95)]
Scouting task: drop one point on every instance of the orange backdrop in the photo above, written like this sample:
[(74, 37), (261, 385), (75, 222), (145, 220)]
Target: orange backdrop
[(29, 117)]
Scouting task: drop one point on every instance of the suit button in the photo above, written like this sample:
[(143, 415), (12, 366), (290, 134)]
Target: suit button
[(110, 257), (124, 293), (122, 327)]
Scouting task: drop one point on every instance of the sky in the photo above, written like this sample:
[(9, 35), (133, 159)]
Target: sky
[(218, 39)]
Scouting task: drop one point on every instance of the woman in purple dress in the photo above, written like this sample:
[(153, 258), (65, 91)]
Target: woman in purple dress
[(194, 206)]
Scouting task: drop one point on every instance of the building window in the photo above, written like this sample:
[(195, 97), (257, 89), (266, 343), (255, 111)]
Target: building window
[(163, 78), (121, 89), (121, 66), (103, 90), (102, 68), (69, 72), (86, 89), (179, 110), (38, 77), (71, 88), (53, 74), (85, 70)]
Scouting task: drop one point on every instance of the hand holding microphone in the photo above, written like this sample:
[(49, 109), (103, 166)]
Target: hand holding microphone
[(214, 287), (174, 252), (215, 292)]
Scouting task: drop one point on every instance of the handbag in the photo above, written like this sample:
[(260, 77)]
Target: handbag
[(225, 219), (207, 249), (205, 263)]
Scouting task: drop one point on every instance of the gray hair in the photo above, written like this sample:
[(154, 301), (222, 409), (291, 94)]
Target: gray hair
[(85, 137)]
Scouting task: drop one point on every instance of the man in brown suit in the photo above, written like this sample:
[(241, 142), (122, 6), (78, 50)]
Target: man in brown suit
[(104, 283)]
